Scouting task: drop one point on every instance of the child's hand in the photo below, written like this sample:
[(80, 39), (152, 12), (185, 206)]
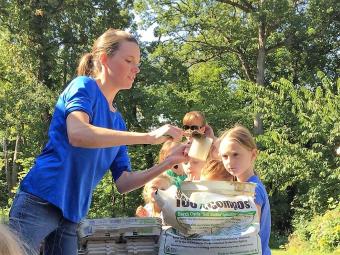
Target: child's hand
[(141, 212)]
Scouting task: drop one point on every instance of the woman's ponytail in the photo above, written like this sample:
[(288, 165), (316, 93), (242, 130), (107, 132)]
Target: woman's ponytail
[(85, 67)]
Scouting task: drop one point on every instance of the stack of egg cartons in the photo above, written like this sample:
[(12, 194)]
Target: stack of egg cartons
[(119, 236)]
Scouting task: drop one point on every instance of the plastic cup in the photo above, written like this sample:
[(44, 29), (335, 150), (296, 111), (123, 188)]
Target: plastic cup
[(200, 148)]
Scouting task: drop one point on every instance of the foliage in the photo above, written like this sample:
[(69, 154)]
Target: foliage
[(108, 202), (298, 146), (277, 239), (321, 233), (4, 215), (227, 33), (218, 43), (23, 114)]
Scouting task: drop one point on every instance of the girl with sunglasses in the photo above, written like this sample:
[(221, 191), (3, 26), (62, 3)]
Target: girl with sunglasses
[(194, 121)]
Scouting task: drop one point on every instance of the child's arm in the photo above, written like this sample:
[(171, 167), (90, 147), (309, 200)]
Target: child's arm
[(259, 212)]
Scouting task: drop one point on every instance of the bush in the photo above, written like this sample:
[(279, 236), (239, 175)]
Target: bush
[(321, 233), (277, 240)]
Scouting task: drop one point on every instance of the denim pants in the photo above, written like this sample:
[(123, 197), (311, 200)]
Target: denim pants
[(36, 220)]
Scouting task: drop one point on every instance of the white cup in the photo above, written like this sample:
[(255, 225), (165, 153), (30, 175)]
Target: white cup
[(200, 148)]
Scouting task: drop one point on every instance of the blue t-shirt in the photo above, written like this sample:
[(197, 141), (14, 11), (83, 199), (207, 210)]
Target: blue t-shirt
[(65, 175), (261, 199)]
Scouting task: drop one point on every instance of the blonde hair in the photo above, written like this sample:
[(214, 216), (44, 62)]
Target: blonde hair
[(108, 43), (147, 187), (215, 170), (9, 243), (165, 150), (241, 135), (190, 116)]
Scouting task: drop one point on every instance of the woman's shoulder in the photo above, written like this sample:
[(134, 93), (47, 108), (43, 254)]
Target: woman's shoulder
[(82, 84), (84, 81)]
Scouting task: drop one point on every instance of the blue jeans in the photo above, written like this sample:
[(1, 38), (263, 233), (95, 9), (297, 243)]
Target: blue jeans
[(36, 220)]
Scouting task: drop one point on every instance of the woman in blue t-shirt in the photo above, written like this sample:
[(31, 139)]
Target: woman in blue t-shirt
[(87, 136)]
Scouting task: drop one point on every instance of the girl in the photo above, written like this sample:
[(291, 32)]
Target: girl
[(192, 168), (87, 136), (151, 209), (214, 170), (176, 172), (238, 151)]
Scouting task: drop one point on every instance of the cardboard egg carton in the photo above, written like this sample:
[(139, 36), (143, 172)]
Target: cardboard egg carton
[(141, 246), (119, 236)]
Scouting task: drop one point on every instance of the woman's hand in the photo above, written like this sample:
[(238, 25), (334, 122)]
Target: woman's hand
[(165, 133), (177, 155)]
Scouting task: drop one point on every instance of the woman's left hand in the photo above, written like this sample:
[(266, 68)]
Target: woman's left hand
[(177, 155), (165, 133)]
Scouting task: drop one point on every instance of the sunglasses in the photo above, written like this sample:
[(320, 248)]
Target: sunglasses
[(187, 127)]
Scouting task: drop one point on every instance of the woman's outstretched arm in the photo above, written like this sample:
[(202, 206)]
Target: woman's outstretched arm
[(82, 134)]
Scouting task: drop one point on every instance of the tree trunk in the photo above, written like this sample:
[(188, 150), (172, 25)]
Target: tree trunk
[(7, 171), (258, 124), (261, 59), (14, 175), (261, 54)]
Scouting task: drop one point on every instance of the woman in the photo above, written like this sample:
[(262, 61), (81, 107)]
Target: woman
[(87, 136)]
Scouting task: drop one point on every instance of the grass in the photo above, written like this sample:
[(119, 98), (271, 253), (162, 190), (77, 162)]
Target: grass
[(300, 252), (279, 252)]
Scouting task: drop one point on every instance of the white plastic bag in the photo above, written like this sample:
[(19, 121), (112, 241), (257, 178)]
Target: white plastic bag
[(210, 217)]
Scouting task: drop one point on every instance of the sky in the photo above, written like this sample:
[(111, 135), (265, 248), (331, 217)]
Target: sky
[(146, 35)]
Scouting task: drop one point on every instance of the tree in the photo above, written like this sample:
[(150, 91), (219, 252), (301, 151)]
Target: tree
[(22, 123), (298, 149), (250, 39)]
